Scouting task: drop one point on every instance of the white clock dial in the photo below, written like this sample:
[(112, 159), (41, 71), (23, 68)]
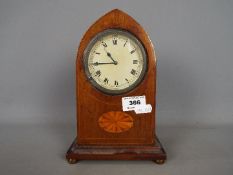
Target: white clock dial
[(115, 61)]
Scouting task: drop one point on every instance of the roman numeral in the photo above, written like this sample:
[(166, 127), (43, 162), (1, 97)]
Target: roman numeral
[(97, 53), (126, 80), (106, 81), (125, 42), (98, 73), (104, 44), (133, 72), (133, 51), (114, 41), (135, 61), (116, 83)]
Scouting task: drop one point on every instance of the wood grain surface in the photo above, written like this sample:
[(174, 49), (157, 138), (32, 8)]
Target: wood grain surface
[(91, 103)]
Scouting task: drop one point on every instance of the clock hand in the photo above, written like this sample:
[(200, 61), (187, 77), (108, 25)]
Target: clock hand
[(97, 63), (110, 56)]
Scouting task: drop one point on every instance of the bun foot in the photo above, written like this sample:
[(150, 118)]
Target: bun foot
[(159, 161), (72, 161)]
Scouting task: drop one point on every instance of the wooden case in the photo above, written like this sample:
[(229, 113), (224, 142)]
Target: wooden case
[(92, 140)]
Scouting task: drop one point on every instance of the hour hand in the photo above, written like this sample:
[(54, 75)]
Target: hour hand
[(98, 63), (110, 56)]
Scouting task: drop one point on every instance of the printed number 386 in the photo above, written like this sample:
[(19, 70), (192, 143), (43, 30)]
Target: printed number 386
[(134, 102)]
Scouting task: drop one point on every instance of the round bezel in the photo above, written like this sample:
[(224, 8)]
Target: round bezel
[(87, 53)]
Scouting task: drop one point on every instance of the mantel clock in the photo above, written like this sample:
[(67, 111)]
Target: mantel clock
[(115, 93)]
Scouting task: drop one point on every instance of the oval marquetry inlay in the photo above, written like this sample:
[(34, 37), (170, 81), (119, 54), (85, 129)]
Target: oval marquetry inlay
[(115, 121)]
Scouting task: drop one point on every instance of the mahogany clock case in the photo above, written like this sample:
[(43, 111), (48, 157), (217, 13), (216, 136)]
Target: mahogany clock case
[(93, 142)]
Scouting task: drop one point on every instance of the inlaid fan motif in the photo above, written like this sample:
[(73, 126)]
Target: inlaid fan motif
[(115, 122)]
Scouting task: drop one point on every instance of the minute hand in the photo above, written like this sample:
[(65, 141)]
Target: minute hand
[(97, 63)]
